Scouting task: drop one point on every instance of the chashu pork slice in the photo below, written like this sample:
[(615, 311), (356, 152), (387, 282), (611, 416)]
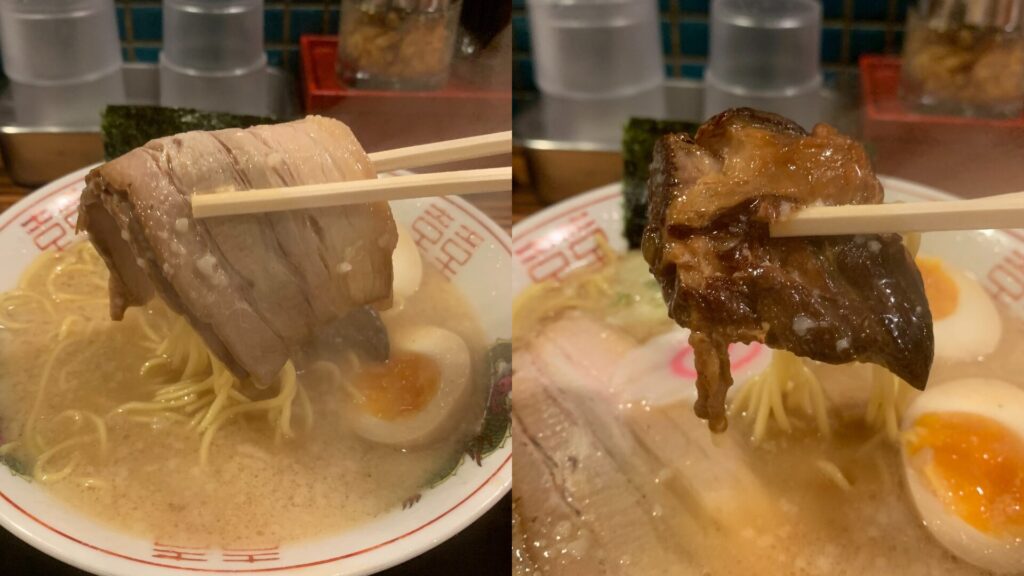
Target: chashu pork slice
[(255, 287), (835, 299)]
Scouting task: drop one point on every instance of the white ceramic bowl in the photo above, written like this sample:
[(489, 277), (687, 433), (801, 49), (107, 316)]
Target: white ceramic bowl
[(451, 234), (565, 237)]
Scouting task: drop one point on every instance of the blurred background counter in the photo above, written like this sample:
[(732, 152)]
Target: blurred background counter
[(854, 79)]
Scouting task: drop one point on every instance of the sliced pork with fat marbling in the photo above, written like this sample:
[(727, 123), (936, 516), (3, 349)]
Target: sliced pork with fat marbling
[(255, 287), (607, 488)]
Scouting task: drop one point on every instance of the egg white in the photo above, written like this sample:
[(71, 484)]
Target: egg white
[(408, 268), (451, 355), (974, 328), (993, 399)]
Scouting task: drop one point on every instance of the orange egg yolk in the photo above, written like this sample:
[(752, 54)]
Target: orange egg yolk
[(939, 287), (400, 387), (976, 469)]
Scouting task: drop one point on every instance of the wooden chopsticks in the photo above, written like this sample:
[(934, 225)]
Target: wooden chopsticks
[(353, 192), (380, 189), (443, 152), (1002, 211)]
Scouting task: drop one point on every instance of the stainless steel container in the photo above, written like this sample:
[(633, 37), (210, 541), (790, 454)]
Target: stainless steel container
[(34, 155)]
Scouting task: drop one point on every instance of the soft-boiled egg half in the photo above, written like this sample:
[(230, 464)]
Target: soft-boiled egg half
[(963, 454), (407, 400), (966, 322), (408, 268)]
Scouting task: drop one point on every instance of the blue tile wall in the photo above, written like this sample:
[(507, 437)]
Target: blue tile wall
[(693, 38), (273, 25), (334, 19), (140, 25), (852, 28), (305, 21), (520, 34), (866, 41), (694, 6), (694, 71), (146, 53), (831, 44), (120, 22), (275, 57), (147, 23), (833, 9), (870, 10), (522, 74)]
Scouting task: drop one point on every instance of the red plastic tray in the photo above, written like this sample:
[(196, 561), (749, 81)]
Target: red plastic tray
[(880, 89), (966, 156), (322, 89), (384, 120)]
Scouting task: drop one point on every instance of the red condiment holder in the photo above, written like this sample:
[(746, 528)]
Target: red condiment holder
[(966, 156), (390, 119)]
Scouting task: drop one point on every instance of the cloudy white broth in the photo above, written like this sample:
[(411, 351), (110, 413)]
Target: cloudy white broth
[(615, 474), (100, 414)]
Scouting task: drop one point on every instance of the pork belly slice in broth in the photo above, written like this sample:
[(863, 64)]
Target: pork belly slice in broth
[(604, 489), (571, 494), (255, 287), (833, 299)]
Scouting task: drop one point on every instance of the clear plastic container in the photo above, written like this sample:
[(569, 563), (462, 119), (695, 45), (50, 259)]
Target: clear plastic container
[(213, 57), (213, 35), (67, 105), (599, 121), (963, 60), (59, 41), (238, 91), (596, 48), (63, 58), (802, 105), (397, 44), (765, 54)]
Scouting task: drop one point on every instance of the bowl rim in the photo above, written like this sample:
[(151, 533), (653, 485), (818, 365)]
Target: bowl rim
[(428, 534)]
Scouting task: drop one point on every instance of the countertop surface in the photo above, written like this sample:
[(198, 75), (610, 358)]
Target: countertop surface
[(9, 191)]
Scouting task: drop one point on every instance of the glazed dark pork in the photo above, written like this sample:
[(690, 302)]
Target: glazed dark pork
[(256, 287), (833, 299)]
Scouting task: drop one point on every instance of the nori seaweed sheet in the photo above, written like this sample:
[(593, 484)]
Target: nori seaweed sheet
[(638, 140), (128, 127), (17, 467), (496, 427)]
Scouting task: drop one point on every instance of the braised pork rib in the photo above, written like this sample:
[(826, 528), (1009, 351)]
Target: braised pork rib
[(834, 299)]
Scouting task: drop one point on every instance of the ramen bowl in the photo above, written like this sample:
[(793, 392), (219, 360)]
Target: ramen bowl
[(601, 363), (453, 236)]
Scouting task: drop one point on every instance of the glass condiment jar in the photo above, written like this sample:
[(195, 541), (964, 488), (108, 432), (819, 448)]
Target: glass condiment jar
[(397, 44), (965, 57)]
